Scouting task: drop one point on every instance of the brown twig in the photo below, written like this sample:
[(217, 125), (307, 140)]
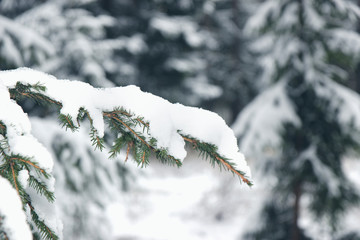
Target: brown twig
[(128, 150), (143, 159), (14, 177), (67, 119), (28, 162), (232, 169), (221, 160)]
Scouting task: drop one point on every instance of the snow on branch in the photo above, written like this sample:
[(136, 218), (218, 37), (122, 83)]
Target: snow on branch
[(12, 219), (143, 124)]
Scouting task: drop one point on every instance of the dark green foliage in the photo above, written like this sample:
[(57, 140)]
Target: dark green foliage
[(33, 92), (41, 188), (67, 122), (96, 141), (131, 132)]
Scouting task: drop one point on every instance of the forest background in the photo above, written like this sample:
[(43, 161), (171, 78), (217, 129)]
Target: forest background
[(285, 74)]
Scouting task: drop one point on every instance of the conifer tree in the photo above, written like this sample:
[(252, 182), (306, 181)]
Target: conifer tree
[(138, 130), (302, 127)]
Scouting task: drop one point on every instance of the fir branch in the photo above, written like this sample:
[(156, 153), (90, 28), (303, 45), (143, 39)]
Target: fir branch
[(129, 128), (34, 92), (210, 151), (41, 188), (96, 140), (25, 162), (45, 232), (116, 123), (125, 139), (67, 122), (28, 162)]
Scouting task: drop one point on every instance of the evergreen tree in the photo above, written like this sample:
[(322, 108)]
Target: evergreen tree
[(301, 129)]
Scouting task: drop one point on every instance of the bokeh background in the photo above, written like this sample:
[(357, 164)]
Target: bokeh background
[(285, 74)]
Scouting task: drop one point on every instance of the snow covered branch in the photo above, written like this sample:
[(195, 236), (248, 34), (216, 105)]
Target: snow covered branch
[(142, 123)]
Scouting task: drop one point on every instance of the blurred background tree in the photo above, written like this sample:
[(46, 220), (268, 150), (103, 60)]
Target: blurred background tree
[(300, 58), (308, 50)]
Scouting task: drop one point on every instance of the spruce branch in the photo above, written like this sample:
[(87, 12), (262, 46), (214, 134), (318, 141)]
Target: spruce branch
[(132, 135), (209, 151), (34, 92), (96, 141), (67, 122), (45, 232), (129, 128), (141, 153), (41, 188), (28, 162), (10, 169)]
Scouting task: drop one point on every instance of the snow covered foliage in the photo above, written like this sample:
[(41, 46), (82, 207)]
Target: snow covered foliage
[(20, 46), (307, 122), (12, 218), (85, 177), (142, 123)]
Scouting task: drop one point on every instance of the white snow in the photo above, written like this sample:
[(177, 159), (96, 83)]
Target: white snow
[(345, 40), (183, 204), (14, 221), (22, 142), (166, 119)]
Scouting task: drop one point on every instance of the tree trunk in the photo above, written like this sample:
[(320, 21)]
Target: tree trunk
[(295, 235)]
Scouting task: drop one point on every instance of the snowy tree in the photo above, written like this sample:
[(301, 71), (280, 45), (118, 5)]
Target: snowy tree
[(143, 126), (301, 129)]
